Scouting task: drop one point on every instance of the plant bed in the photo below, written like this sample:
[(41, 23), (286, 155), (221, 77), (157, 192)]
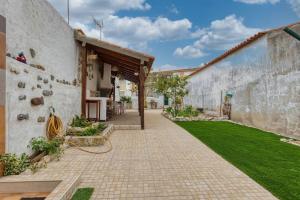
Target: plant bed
[(37, 156), (90, 140), (83, 194)]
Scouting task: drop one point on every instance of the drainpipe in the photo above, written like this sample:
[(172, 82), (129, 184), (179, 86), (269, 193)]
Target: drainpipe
[(292, 33)]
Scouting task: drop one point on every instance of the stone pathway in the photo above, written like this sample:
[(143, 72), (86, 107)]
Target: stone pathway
[(161, 162)]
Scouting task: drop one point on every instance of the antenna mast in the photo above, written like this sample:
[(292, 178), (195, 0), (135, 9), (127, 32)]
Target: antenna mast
[(68, 4), (99, 24)]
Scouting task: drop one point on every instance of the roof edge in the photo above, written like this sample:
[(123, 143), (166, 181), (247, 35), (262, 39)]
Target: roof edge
[(238, 47)]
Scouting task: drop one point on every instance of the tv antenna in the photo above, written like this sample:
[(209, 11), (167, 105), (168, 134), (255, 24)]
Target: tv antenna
[(99, 24)]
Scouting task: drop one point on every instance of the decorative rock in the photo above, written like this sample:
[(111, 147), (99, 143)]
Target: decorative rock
[(21, 117), (50, 86), (52, 77), (26, 71), (39, 78), (32, 52), (75, 82), (22, 97), (21, 84), (57, 80), (37, 101), (33, 88), (46, 81), (38, 67), (39, 86), (41, 119), (15, 71), (47, 93)]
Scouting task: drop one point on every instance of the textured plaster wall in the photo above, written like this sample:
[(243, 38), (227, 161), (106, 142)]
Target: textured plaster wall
[(35, 24), (264, 79)]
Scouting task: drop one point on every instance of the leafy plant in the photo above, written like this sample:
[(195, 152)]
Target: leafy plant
[(89, 132), (125, 99), (51, 147), (80, 122), (101, 127), (13, 164), (188, 111)]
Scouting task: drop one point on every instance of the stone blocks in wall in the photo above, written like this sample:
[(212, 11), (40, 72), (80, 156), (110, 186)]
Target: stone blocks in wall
[(21, 117), (47, 93), (37, 101), (21, 84)]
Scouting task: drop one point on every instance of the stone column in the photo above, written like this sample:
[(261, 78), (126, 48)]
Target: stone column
[(2, 85)]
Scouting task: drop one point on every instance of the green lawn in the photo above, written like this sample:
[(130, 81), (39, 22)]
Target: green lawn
[(261, 155), (83, 194)]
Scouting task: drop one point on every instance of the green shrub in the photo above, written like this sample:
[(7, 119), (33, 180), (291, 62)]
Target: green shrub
[(51, 147), (101, 127), (80, 122), (89, 132), (125, 99), (169, 110), (13, 164), (188, 111)]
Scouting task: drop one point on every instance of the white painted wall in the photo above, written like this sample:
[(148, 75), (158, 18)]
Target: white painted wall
[(35, 24), (264, 79)]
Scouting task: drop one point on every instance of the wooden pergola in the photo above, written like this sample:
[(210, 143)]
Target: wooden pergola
[(132, 65)]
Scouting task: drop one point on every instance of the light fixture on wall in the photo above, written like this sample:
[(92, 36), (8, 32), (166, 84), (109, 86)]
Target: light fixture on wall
[(136, 73), (114, 68)]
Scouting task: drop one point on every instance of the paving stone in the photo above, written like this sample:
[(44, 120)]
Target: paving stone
[(161, 162)]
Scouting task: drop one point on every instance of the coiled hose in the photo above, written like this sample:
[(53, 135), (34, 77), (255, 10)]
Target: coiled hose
[(55, 130)]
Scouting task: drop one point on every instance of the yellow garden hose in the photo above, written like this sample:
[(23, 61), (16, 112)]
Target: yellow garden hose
[(93, 152), (55, 129)]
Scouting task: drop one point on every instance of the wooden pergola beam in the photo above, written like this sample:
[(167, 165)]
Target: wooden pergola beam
[(117, 56), (120, 62)]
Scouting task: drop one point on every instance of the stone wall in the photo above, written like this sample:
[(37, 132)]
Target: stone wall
[(35, 28), (264, 79)]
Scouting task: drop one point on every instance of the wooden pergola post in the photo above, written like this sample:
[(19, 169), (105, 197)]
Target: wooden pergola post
[(83, 80), (2, 86), (139, 99), (141, 94)]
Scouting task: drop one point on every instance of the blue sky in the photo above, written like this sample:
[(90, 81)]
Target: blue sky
[(180, 33)]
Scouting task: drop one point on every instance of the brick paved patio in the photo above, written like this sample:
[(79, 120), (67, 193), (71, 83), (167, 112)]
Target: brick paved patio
[(161, 162)]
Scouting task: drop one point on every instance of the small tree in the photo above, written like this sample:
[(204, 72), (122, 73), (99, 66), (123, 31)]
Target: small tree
[(172, 87)]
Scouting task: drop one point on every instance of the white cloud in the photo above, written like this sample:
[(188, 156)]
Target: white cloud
[(83, 10), (133, 32), (221, 35), (295, 5), (173, 9), (136, 32), (189, 52), (258, 1)]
